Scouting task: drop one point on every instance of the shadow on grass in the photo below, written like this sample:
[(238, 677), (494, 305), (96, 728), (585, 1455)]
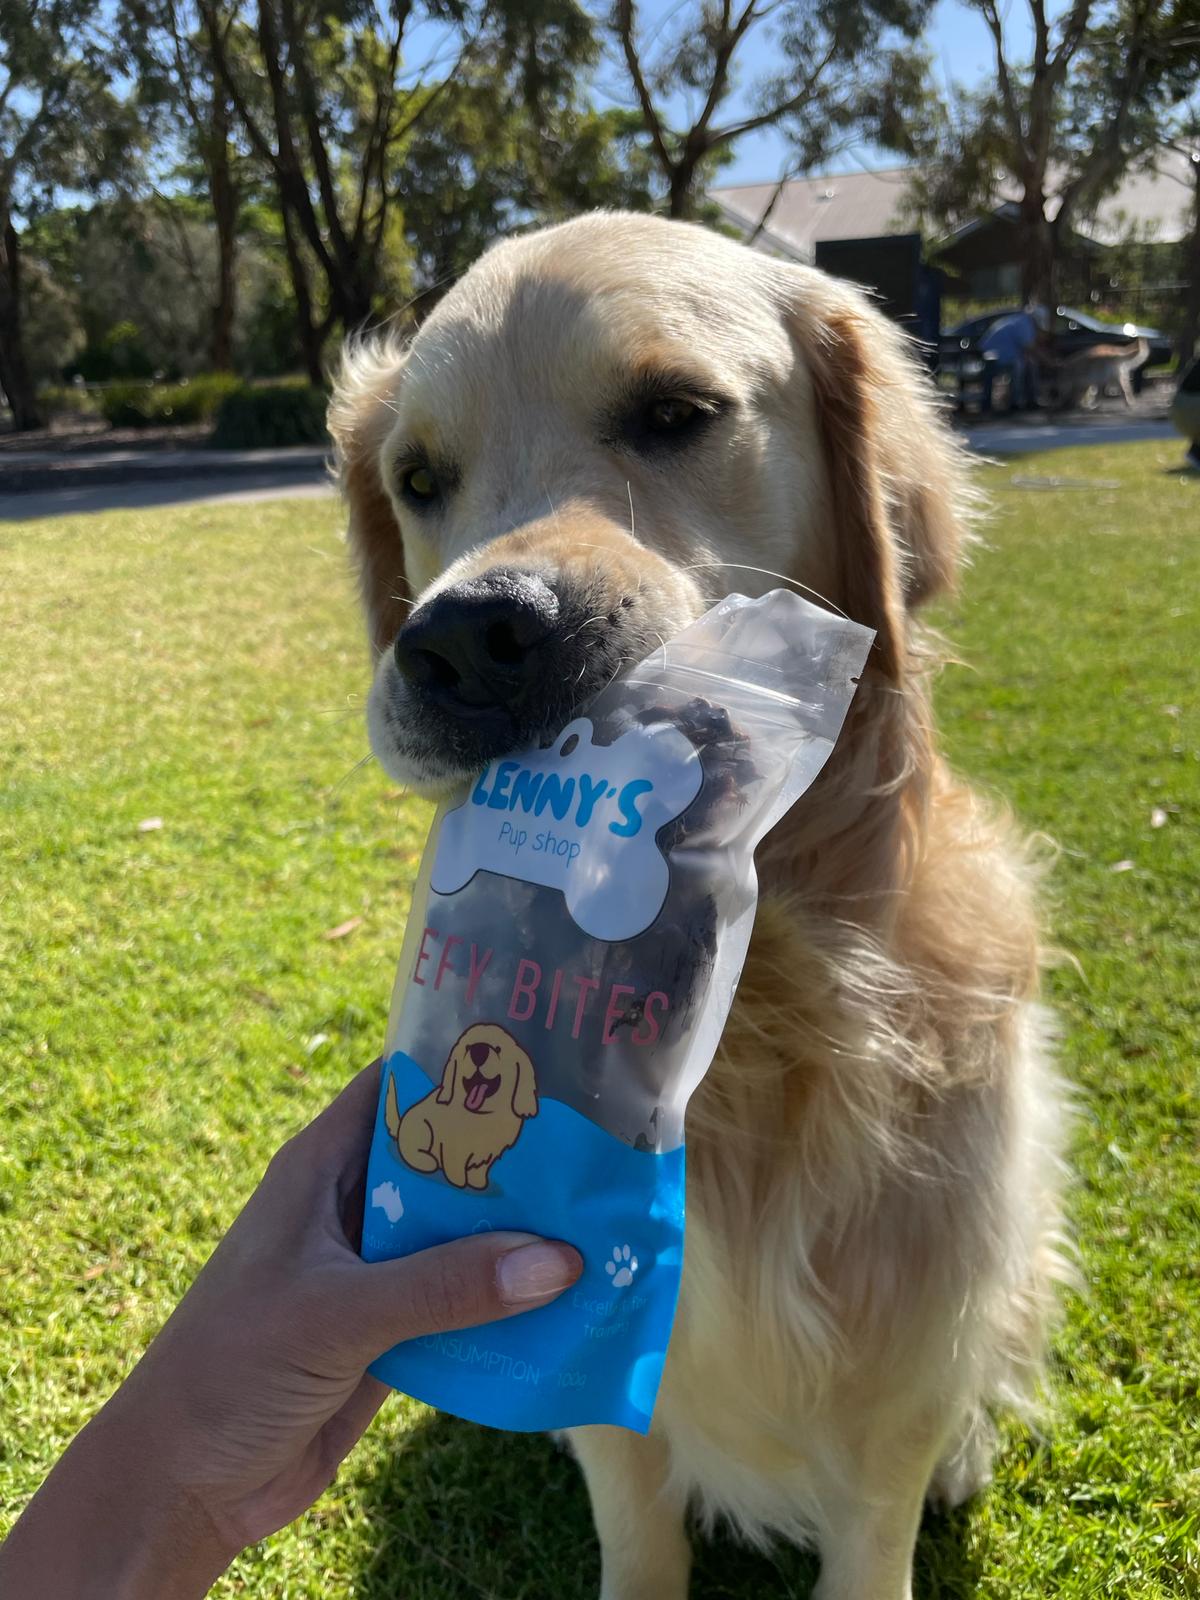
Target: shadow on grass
[(466, 1511)]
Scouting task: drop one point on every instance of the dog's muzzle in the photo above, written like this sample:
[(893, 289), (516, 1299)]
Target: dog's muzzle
[(496, 661), (481, 647)]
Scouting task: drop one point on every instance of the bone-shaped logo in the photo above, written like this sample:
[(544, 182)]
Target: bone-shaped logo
[(579, 817)]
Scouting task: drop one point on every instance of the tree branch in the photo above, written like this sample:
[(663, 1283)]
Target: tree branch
[(1016, 126), (1074, 29), (181, 71), (1109, 154), (377, 138), (730, 39), (776, 195), (261, 144), (626, 26), (311, 117), (776, 113)]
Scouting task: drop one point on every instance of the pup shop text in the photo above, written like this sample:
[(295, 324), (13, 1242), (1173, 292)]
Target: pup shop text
[(551, 998)]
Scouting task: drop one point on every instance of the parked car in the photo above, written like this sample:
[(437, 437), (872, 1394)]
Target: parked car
[(979, 380), (971, 373)]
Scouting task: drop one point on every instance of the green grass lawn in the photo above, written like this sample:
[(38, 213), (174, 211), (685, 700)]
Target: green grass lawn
[(171, 1008)]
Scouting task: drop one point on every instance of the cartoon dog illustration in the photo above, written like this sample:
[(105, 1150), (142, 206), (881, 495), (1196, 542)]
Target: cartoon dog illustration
[(487, 1094)]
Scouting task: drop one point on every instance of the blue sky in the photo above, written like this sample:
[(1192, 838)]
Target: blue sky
[(958, 39)]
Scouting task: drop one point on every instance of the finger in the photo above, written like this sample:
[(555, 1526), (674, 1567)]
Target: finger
[(338, 1140), (349, 1116), (478, 1279)]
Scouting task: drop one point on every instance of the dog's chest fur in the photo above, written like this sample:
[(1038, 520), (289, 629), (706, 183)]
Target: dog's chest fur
[(830, 1240)]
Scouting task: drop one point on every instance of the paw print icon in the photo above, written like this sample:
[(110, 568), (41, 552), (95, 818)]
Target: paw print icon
[(623, 1266)]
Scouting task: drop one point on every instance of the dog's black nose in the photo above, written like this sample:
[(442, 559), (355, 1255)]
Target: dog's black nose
[(477, 645)]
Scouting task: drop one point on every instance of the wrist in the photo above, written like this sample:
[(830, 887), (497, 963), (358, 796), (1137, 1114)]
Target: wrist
[(110, 1522)]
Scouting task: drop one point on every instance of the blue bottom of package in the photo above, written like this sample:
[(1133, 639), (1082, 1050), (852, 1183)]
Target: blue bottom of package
[(595, 1354)]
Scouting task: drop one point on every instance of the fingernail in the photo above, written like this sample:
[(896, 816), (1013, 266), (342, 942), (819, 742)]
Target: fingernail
[(536, 1271)]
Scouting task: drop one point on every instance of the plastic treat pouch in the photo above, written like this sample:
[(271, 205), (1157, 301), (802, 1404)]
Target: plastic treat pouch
[(578, 927)]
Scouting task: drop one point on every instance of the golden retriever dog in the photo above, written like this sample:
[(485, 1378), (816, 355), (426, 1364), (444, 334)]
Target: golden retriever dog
[(486, 1096), (600, 430)]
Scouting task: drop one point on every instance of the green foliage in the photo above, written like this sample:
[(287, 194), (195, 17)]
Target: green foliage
[(169, 1011), (141, 405), (482, 168), (822, 69), (68, 399), (51, 325), (62, 123), (119, 352), (1056, 127), (271, 415)]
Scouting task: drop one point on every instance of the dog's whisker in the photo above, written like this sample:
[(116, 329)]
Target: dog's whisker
[(745, 566), (553, 508), (340, 714), (345, 778)]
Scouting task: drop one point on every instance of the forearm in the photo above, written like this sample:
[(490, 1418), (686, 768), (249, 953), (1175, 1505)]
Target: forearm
[(107, 1525)]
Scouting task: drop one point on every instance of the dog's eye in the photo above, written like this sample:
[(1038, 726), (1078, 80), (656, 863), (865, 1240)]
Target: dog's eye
[(671, 414), (419, 484), (662, 415)]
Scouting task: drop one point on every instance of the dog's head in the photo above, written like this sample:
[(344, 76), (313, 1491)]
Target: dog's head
[(601, 429), (487, 1073)]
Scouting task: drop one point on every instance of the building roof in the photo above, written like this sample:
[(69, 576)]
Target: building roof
[(1157, 201), (843, 205)]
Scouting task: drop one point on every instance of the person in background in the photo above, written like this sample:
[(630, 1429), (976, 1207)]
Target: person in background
[(242, 1409), (1185, 411), (1009, 345)]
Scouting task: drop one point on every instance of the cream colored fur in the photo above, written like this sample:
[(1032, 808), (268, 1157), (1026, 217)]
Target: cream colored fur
[(873, 1158)]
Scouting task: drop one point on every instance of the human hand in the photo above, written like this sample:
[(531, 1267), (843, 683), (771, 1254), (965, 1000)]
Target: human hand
[(244, 1406)]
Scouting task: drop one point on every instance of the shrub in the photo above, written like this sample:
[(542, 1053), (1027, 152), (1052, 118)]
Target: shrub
[(68, 399), (140, 405), (119, 353), (274, 414)]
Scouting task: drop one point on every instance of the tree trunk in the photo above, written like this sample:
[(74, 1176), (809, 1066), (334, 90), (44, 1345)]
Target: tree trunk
[(1037, 252), (15, 377), (680, 200), (310, 339), (224, 197)]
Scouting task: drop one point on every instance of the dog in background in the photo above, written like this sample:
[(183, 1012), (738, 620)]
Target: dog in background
[(600, 430), (487, 1094), (1083, 379)]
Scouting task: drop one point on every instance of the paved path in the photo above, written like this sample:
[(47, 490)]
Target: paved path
[(127, 462), (1028, 436), (128, 479), (77, 499)]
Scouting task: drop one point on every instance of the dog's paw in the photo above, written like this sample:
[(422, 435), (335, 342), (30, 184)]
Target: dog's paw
[(623, 1266)]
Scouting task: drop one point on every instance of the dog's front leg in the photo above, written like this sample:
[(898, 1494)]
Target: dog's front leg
[(644, 1549), (870, 1510)]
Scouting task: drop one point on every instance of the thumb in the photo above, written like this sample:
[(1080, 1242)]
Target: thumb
[(481, 1278)]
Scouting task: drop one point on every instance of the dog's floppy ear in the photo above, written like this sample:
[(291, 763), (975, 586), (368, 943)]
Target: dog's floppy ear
[(524, 1100), (360, 416), (445, 1092), (898, 489)]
